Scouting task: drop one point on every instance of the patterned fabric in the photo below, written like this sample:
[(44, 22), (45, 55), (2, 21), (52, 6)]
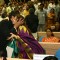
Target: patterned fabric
[(51, 20), (13, 45), (50, 39), (25, 50), (58, 54), (27, 44)]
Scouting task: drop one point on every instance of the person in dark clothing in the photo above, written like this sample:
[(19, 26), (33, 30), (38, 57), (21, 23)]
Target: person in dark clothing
[(7, 27), (50, 58), (32, 21), (7, 1)]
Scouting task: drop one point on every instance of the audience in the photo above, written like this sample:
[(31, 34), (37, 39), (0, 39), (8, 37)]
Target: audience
[(43, 7)]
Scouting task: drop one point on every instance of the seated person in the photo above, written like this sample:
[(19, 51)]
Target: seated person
[(58, 54), (50, 58), (50, 37), (56, 28)]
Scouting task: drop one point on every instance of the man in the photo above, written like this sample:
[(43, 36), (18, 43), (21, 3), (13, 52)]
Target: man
[(32, 22), (41, 16), (7, 27), (6, 1)]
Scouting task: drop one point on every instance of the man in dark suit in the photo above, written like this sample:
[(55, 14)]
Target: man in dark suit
[(7, 27), (32, 21)]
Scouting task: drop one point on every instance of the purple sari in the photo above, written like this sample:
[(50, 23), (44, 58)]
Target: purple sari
[(32, 43)]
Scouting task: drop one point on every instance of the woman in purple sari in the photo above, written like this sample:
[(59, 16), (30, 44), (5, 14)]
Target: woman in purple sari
[(29, 45)]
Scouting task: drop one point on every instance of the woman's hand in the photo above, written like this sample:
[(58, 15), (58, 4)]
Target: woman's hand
[(18, 23)]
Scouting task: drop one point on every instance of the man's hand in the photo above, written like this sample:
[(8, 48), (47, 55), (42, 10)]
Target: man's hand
[(12, 36)]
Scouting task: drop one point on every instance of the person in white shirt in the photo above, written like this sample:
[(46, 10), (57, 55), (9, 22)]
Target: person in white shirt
[(51, 5), (41, 13)]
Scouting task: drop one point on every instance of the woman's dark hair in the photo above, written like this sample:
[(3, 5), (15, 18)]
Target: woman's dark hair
[(13, 13), (50, 30), (50, 58)]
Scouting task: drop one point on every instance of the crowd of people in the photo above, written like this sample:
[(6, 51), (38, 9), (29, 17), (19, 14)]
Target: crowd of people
[(18, 22), (48, 13)]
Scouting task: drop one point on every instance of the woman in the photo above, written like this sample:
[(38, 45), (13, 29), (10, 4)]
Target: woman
[(32, 45), (26, 11), (50, 37), (51, 18)]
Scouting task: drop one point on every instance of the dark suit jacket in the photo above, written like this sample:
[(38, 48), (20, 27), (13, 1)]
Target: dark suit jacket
[(6, 27), (32, 22)]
